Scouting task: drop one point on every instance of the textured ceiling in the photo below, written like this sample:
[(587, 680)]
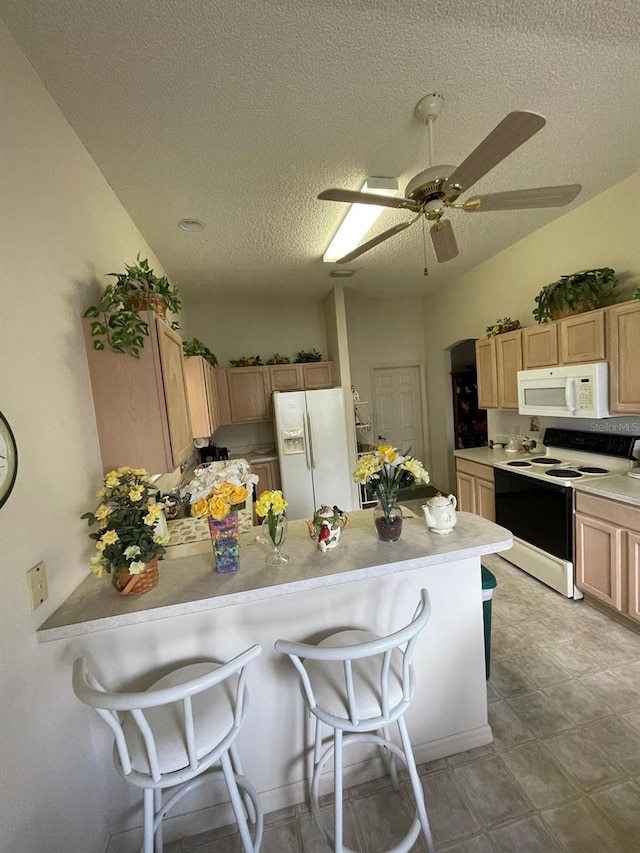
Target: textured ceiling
[(239, 113)]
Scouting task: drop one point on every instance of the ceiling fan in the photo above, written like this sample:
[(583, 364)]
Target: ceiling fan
[(436, 189)]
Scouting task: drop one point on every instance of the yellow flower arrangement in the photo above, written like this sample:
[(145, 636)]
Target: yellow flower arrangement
[(272, 505), (126, 516), (223, 499), (385, 471)]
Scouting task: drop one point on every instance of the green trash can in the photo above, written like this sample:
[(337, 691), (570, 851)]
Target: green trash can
[(489, 583)]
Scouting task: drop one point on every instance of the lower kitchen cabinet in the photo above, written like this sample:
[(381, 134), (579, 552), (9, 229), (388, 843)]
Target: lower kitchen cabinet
[(140, 404), (202, 396), (475, 490), (269, 474), (608, 553)]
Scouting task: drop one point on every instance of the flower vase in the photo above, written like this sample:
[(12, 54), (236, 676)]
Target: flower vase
[(274, 533), (128, 584), (387, 516), (224, 539)]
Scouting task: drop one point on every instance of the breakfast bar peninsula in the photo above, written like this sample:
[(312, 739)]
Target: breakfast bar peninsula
[(365, 583)]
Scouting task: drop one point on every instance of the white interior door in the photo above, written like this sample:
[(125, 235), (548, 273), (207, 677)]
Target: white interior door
[(397, 401)]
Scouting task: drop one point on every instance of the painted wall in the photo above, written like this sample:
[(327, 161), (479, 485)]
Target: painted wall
[(246, 329), (385, 332), (601, 232), (63, 229)]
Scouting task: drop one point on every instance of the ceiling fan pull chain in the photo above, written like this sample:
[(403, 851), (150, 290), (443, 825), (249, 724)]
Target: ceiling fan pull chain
[(424, 248)]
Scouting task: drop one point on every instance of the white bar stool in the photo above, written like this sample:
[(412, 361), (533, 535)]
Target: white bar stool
[(359, 683), (180, 732)]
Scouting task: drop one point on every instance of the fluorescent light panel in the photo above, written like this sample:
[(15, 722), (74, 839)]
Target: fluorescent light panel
[(359, 219)]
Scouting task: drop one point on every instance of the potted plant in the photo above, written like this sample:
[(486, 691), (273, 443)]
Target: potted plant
[(500, 326), (196, 347), (636, 294), (306, 357), (117, 322), (127, 542), (575, 293)]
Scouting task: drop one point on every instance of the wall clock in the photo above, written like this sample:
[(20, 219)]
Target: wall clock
[(8, 459)]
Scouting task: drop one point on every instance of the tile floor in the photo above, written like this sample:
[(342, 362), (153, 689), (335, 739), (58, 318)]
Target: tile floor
[(563, 773)]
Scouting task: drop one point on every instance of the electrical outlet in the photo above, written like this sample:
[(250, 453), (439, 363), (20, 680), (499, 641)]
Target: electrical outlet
[(37, 584), (535, 425)]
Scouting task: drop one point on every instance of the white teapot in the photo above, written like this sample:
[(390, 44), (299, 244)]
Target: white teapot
[(440, 513)]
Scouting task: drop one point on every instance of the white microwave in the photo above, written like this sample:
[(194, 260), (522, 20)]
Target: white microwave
[(571, 391)]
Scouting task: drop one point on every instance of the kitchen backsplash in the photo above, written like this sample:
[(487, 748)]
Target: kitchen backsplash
[(501, 422), (244, 438)]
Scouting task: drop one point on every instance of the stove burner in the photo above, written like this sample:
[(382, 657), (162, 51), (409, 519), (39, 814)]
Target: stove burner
[(519, 464), (590, 469), (565, 473), (545, 460)]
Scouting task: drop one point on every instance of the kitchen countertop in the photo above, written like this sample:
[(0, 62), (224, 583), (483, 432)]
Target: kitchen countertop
[(256, 456), (488, 456), (619, 487), (189, 584)]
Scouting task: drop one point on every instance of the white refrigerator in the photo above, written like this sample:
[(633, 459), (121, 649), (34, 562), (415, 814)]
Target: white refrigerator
[(313, 448)]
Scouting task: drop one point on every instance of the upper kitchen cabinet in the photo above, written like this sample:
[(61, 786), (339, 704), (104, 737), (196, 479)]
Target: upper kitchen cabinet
[(623, 345), (540, 346), (243, 394), (487, 373), (582, 337), (140, 405), (508, 350), (202, 396), (306, 376), (317, 374)]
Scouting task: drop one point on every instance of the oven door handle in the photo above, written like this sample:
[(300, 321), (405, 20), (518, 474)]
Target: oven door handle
[(570, 394)]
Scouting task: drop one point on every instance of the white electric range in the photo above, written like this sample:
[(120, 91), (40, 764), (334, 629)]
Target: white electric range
[(535, 498)]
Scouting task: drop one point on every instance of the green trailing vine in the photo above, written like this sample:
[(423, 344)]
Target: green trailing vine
[(196, 347)]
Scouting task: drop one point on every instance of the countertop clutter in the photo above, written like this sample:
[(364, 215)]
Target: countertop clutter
[(616, 487), (189, 584)]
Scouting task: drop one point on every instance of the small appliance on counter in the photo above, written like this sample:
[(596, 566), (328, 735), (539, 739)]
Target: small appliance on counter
[(213, 453)]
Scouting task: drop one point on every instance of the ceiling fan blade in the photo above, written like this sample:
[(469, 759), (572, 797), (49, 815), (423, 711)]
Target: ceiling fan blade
[(390, 232), (525, 199), (444, 241), (513, 130), (356, 197)]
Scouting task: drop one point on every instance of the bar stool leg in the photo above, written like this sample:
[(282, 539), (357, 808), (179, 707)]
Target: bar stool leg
[(157, 806), (237, 768), (415, 783), (337, 789), (236, 802), (390, 759), (148, 820)]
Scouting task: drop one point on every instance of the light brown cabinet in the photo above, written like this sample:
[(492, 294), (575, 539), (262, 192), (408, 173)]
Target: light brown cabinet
[(202, 396), (540, 346), (244, 394), (317, 374), (582, 337), (623, 341), (498, 360), (475, 489), (286, 377), (487, 373), (140, 405), (509, 362), (608, 553)]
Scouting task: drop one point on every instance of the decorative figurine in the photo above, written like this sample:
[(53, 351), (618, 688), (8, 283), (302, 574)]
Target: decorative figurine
[(326, 527)]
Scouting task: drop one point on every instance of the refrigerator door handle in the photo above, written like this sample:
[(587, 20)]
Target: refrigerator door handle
[(306, 441), (313, 462)]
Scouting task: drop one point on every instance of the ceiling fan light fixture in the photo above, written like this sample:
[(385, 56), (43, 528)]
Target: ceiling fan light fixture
[(191, 225), (359, 219)]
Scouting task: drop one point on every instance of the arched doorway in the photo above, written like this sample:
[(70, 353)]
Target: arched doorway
[(469, 422)]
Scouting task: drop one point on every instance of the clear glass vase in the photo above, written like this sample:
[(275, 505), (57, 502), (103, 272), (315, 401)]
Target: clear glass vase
[(387, 516), (274, 533)]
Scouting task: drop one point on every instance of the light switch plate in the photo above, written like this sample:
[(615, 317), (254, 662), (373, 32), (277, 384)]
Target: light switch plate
[(37, 585)]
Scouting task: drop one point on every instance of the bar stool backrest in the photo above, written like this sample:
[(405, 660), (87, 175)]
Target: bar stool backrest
[(116, 708), (386, 649)]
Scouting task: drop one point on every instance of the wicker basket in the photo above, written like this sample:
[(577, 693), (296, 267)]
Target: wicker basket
[(151, 302), (128, 584), (557, 313)]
